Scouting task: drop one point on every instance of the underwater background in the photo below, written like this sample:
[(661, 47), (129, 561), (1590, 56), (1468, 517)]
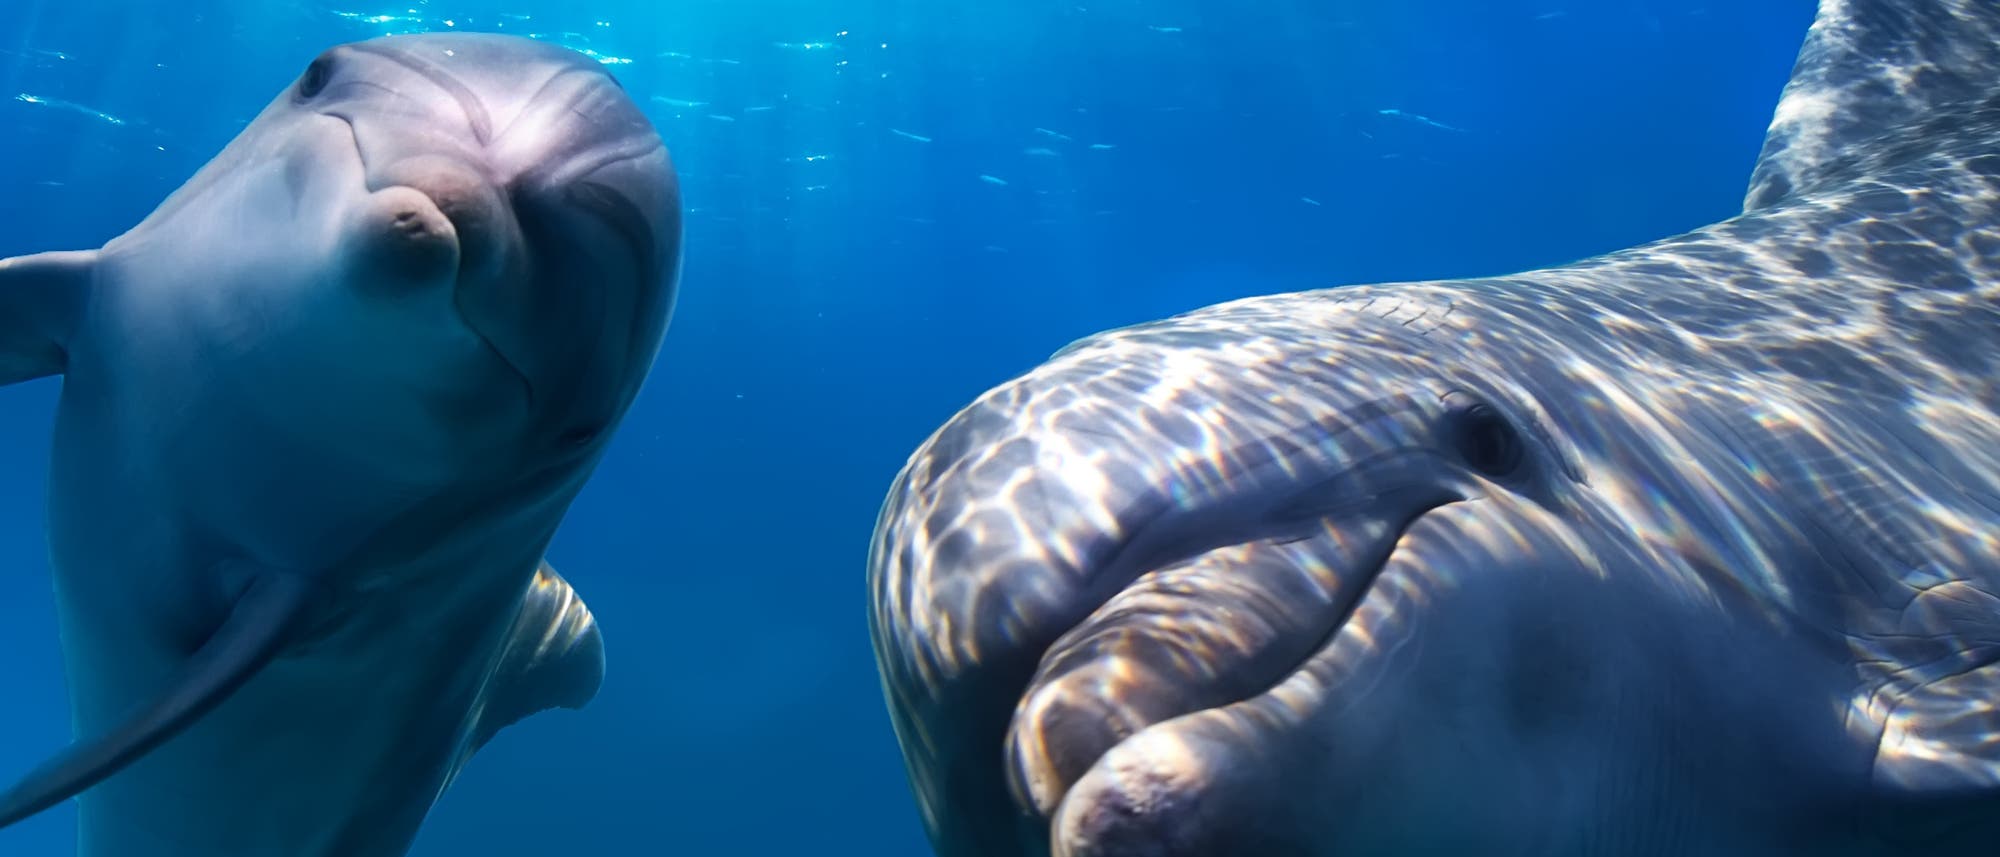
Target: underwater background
[(890, 207)]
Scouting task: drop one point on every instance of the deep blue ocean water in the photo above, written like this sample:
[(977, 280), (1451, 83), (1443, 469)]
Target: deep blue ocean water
[(891, 206)]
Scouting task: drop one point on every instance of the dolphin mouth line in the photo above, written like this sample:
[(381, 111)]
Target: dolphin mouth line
[(1353, 580), (1369, 572), (1350, 581)]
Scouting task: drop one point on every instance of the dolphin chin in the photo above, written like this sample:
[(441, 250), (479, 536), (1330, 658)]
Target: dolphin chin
[(1682, 549)]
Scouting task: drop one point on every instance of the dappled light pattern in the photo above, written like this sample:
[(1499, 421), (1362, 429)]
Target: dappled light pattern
[(1870, 67), (1166, 592)]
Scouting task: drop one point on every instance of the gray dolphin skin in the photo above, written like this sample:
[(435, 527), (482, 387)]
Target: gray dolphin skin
[(1688, 549), (321, 414)]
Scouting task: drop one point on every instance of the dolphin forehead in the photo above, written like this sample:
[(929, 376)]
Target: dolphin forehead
[(492, 78), (518, 107)]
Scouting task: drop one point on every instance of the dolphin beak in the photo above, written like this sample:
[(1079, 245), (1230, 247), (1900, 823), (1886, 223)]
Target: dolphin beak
[(490, 250), (1063, 565), (1216, 628), (479, 211)]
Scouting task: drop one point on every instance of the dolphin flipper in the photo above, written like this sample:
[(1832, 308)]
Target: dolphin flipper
[(553, 658), (257, 628), (40, 298)]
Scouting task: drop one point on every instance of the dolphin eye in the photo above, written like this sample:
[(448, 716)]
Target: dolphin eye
[(314, 81), (1487, 441)]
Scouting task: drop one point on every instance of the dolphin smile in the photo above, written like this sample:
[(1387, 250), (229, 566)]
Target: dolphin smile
[(1107, 569), (1203, 631)]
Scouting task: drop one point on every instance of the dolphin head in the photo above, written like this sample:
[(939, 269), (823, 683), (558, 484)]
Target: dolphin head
[(451, 246), (558, 192), (1390, 569), (336, 393)]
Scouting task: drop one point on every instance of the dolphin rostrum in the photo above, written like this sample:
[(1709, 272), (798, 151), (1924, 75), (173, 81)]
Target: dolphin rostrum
[(321, 414), (1687, 549)]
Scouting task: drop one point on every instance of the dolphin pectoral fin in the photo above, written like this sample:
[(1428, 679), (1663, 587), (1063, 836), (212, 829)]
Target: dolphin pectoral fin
[(40, 297), (257, 628), (553, 657)]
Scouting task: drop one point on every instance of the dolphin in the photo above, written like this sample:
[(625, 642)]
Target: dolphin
[(321, 414), (1691, 548)]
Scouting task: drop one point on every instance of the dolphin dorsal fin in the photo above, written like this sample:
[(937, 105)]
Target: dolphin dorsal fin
[(1869, 69), (553, 657)]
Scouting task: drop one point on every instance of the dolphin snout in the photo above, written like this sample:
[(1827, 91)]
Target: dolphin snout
[(404, 242), (478, 212), (1107, 549)]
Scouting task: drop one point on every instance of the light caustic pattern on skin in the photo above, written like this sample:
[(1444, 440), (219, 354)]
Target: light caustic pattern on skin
[(1186, 567)]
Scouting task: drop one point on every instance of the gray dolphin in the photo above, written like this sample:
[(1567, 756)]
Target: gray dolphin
[(321, 414), (1688, 549)]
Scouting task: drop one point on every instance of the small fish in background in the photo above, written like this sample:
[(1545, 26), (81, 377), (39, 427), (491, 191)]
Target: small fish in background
[(70, 106), (35, 53), (1039, 152), (909, 136), (688, 57), (1310, 201), (1158, 29), (1419, 119), (993, 180), (679, 103), (1054, 135), (1102, 147)]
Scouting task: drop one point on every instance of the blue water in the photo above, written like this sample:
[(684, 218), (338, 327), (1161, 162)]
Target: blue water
[(851, 279)]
